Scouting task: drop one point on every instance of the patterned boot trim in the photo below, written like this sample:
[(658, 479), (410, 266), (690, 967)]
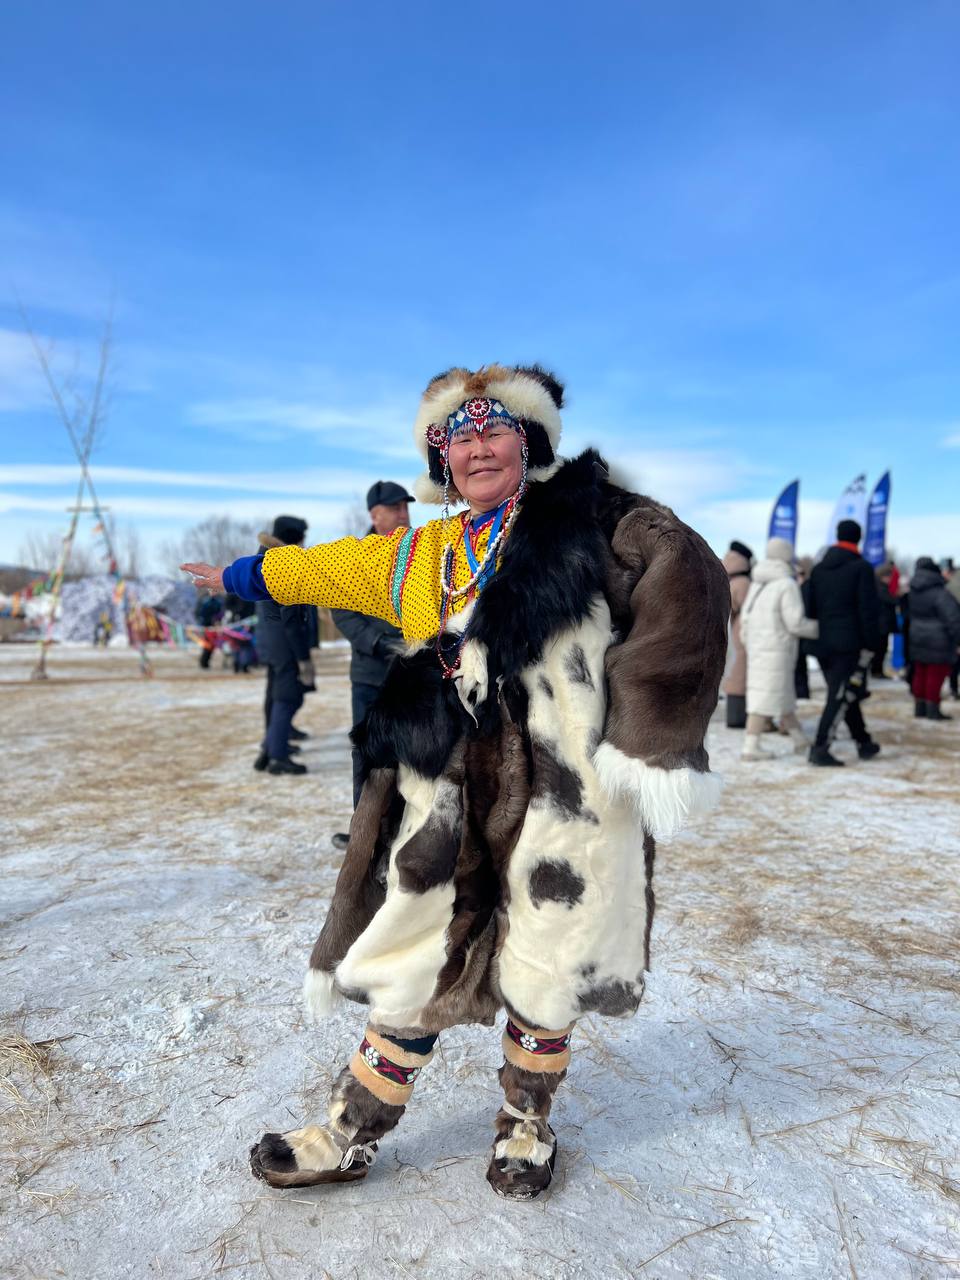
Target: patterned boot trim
[(534, 1049), (387, 1070)]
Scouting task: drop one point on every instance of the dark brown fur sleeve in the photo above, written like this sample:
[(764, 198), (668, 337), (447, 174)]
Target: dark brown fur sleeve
[(664, 678)]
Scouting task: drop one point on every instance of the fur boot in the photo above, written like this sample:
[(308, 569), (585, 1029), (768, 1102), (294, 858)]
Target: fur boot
[(525, 1146), (752, 750), (367, 1101)]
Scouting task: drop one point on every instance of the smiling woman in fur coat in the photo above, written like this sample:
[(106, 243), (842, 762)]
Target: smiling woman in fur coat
[(566, 640)]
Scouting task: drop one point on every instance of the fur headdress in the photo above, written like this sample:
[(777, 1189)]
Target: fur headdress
[(531, 395)]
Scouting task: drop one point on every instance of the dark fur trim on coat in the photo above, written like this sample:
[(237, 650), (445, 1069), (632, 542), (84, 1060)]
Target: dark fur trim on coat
[(417, 718), (554, 564), (361, 884), (556, 560)]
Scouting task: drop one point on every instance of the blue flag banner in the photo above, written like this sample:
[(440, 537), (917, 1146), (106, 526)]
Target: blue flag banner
[(851, 505), (783, 518), (875, 538)]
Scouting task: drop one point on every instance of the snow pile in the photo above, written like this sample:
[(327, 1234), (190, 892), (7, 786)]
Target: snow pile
[(85, 600), (33, 608)]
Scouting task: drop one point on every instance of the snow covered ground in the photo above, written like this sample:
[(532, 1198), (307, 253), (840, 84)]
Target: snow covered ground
[(786, 1103)]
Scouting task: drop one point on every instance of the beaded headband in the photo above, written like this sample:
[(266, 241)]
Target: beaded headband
[(477, 413)]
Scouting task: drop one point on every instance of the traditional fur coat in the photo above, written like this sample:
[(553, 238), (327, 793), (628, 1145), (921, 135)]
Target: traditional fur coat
[(502, 851)]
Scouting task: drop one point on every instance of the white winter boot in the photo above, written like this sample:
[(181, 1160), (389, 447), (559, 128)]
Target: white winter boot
[(752, 749), (801, 743)]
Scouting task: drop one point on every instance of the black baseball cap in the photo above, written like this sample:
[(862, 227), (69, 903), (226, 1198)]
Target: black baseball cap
[(289, 529), (386, 494)]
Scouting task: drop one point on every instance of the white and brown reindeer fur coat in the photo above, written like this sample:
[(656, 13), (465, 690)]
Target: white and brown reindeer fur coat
[(502, 851)]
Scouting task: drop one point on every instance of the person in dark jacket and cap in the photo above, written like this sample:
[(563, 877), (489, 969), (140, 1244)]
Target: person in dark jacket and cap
[(373, 642), (283, 644), (934, 636), (842, 596)]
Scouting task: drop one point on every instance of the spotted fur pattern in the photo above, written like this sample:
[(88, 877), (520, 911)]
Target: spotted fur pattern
[(493, 861)]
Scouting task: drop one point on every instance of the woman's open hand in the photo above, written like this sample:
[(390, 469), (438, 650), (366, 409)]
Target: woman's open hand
[(205, 575)]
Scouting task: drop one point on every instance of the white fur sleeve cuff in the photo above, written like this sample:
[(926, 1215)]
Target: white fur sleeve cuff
[(320, 996), (665, 800)]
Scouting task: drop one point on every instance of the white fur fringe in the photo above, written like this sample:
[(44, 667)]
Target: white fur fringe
[(320, 996), (665, 799)]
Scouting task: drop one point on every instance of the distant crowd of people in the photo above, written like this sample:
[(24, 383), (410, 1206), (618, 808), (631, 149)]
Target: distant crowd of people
[(225, 623), (844, 613), (840, 611), (285, 635)]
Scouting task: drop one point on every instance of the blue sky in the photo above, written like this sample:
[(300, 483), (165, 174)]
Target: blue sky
[(732, 229)]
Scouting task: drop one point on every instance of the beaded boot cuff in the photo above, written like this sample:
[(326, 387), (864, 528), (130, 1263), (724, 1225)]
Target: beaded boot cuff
[(388, 1071), (534, 1049)]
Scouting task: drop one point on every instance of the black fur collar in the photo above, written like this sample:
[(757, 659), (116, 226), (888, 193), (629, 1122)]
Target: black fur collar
[(555, 561)]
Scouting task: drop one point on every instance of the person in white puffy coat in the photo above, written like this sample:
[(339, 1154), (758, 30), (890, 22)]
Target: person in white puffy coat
[(772, 622)]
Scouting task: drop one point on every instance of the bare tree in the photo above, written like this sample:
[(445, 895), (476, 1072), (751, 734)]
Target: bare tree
[(216, 540), (127, 545), (83, 416), (356, 518), (131, 551), (41, 549)]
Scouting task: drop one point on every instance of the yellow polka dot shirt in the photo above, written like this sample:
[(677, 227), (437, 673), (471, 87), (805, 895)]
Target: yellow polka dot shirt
[(396, 577)]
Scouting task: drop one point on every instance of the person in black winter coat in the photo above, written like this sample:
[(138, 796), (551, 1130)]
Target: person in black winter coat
[(933, 636), (283, 644), (372, 641), (208, 613), (842, 596), (888, 617)]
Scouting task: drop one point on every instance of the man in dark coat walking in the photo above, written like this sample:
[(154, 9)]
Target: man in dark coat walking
[(372, 641), (283, 644), (843, 597)]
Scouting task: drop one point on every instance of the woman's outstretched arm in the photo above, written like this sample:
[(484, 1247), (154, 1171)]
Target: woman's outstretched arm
[(351, 573)]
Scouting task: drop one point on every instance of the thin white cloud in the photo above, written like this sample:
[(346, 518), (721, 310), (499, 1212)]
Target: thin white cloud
[(951, 441), (379, 429), (681, 477), (190, 510), (315, 482)]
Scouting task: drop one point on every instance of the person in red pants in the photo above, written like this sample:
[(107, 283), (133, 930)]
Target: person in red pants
[(934, 637)]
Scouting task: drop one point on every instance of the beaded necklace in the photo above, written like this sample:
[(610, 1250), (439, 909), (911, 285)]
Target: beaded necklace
[(503, 519)]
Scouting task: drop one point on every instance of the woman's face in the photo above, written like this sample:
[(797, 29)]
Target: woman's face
[(486, 469)]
